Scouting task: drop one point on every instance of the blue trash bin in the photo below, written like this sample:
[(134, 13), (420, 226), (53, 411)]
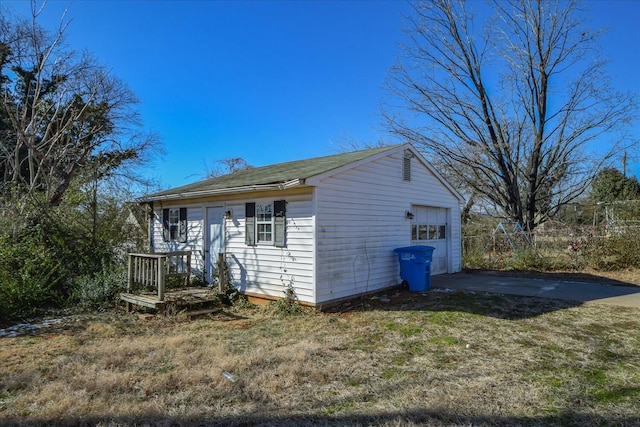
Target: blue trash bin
[(415, 266)]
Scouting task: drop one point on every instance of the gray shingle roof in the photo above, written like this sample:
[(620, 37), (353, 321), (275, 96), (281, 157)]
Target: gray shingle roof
[(272, 174)]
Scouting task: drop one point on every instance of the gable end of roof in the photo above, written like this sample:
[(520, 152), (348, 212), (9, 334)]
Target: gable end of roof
[(271, 177)]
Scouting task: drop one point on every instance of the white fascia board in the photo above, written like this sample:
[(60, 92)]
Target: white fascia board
[(221, 191)]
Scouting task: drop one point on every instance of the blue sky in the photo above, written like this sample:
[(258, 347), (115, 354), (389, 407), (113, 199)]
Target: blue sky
[(270, 81)]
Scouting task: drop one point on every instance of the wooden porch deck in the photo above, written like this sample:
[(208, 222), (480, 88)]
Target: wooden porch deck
[(180, 299)]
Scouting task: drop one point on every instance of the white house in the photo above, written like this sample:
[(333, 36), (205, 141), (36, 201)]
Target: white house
[(325, 227)]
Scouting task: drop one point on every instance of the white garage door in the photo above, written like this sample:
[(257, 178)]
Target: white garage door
[(429, 227)]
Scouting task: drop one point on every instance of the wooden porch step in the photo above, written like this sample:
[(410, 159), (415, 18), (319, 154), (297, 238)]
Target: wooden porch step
[(184, 298), (148, 301)]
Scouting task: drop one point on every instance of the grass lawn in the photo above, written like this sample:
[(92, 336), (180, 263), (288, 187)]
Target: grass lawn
[(439, 359)]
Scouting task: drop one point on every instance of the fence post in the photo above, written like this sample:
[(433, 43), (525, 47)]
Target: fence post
[(162, 271), (188, 278), (130, 274), (223, 272)]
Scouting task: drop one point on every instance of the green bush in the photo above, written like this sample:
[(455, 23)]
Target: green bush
[(526, 259), (286, 306), (475, 259), (100, 290), (30, 277), (44, 261)]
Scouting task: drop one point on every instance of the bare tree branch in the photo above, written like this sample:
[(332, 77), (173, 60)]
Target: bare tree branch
[(63, 116), (509, 109)]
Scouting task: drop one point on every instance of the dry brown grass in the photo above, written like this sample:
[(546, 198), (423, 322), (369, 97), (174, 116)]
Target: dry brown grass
[(629, 275), (444, 359)]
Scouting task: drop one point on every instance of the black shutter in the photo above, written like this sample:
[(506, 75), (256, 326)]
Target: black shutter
[(165, 225), (183, 226), (250, 223), (280, 223)]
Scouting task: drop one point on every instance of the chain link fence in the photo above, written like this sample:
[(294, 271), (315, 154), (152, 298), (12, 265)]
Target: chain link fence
[(609, 240)]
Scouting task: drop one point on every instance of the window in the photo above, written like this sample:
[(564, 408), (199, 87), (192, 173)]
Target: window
[(174, 224), (428, 232), (433, 232), (265, 223), (428, 223), (418, 232), (442, 232)]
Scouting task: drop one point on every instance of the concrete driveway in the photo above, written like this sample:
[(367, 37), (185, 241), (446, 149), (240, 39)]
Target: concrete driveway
[(584, 292)]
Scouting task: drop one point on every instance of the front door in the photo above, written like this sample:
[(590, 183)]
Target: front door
[(215, 241)]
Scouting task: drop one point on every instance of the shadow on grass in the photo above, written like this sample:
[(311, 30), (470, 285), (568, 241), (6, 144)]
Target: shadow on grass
[(501, 295), (509, 307), (412, 417), (505, 295)]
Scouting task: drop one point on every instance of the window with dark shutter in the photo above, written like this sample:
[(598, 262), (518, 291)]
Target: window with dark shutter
[(174, 224), (280, 223), (250, 223)]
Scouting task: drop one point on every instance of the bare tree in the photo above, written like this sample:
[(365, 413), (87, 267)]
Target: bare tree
[(509, 107), (63, 116), (226, 166)]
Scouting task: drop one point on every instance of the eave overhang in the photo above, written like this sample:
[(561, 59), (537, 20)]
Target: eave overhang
[(222, 191)]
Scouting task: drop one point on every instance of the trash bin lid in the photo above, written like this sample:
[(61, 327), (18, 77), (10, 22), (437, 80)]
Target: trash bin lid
[(422, 249)]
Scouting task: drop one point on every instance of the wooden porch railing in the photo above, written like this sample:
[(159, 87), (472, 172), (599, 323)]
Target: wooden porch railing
[(151, 271)]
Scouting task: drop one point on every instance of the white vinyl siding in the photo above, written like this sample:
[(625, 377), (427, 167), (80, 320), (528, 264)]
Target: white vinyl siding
[(361, 218), (194, 243), (266, 269)]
